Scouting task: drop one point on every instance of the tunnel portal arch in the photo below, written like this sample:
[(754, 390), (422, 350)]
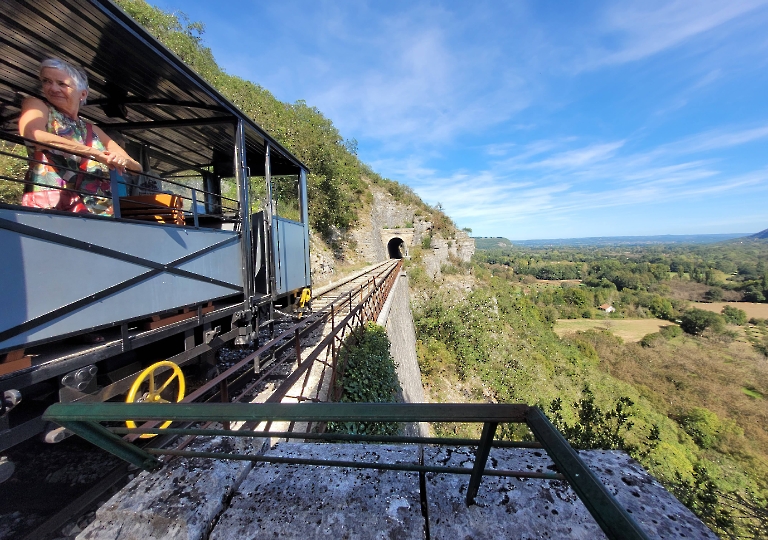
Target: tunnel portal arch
[(396, 248)]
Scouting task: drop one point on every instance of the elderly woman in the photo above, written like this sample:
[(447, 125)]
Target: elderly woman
[(73, 154)]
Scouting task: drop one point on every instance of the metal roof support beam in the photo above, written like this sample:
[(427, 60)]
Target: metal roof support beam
[(268, 211), (168, 102), (170, 124), (304, 208)]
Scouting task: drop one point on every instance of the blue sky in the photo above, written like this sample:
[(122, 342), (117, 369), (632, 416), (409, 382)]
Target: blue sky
[(534, 119)]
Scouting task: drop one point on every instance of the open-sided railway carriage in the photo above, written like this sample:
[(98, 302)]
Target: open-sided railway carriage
[(200, 249)]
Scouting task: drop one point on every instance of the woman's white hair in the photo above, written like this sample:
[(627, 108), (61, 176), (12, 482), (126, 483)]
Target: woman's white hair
[(78, 74)]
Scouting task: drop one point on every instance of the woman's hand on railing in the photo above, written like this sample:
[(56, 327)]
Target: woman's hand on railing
[(115, 161)]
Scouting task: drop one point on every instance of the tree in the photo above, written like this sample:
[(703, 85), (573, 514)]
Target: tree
[(695, 321), (734, 315), (662, 308), (715, 294)]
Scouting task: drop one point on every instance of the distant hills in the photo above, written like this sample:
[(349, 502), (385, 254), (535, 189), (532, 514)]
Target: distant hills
[(486, 243), (494, 242)]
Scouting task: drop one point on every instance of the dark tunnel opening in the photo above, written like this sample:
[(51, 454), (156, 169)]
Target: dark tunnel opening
[(396, 248)]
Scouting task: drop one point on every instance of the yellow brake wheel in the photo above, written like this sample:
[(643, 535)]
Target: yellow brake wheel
[(153, 393)]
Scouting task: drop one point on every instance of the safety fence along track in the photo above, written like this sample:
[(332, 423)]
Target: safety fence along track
[(340, 310)]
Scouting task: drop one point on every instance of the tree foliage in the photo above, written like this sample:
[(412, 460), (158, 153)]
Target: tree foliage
[(695, 321), (595, 428), (734, 315)]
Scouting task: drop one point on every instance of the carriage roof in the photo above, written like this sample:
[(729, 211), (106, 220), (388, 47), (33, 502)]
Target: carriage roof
[(137, 86)]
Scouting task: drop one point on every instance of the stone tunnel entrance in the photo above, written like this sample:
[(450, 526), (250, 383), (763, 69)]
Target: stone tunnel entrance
[(396, 248)]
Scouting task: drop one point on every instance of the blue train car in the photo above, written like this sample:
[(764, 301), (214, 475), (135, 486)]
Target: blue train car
[(199, 251)]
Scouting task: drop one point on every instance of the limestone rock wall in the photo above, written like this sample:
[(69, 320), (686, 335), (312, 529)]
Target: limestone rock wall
[(364, 243), (442, 251)]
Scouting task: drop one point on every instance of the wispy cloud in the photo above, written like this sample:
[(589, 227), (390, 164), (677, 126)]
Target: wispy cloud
[(547, 180), (717, 139), (640, 29), (582, 156)]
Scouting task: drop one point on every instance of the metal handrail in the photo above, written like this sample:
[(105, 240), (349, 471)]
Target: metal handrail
[(85, 420), (225, 203)]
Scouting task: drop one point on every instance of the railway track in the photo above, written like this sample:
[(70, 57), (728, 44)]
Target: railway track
[(292, 353)]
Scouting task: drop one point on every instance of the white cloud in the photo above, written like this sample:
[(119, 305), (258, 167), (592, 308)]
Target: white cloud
[(643, 28), (717, 139), (582, 156), (545, 182)]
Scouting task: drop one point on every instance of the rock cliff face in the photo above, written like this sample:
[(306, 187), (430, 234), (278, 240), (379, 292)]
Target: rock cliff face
[(442, 251), (364, 244)]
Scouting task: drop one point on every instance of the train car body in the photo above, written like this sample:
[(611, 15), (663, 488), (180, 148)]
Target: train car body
[(167, 280)]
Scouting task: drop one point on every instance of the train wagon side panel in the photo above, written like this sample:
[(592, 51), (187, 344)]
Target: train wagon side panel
[(289, 241), (64, 274)]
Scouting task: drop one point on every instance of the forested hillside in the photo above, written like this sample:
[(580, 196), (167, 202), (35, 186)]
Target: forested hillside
[(688, 401)]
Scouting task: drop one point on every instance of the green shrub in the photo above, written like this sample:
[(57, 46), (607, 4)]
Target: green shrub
[(701, 495), (714, 294), (703, 426), (662, 308), (12, 167), (448, 269), (595, 428), (369, 376), (695, 321), (652, 340), (670, 331), (549, 314), (734, 315)]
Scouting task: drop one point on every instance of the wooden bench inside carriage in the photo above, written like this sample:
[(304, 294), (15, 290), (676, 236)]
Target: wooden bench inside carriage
[(159, 208)]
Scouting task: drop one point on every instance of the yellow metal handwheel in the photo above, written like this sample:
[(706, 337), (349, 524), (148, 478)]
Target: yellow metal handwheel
[(146, 390)]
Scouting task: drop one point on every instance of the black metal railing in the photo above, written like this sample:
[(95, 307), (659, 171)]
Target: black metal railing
[(176, 199)]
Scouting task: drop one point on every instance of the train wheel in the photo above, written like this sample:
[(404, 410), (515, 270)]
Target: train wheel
[(146, 389)]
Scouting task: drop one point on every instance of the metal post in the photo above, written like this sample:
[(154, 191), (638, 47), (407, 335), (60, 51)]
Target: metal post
[(243, 181), (114, 185), (481, 458), (194, 208), (101, 437), (613, 519), (303, 201), (224, 393), (268, 219), (298, 349)]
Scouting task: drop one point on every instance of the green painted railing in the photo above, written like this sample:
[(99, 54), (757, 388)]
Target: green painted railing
[(85, 420)]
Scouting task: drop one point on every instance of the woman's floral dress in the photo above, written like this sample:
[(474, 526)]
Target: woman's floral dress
[(59, 169)]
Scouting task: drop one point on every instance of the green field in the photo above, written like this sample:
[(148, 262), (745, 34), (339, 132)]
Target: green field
[(630, 330)]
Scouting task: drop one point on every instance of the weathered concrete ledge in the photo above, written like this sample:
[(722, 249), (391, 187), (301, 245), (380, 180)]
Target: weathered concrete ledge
[(202, 499), (303, 502), (179, 502), (532, 508)]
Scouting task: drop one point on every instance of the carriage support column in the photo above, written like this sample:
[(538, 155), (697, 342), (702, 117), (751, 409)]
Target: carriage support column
[(247, 334)]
